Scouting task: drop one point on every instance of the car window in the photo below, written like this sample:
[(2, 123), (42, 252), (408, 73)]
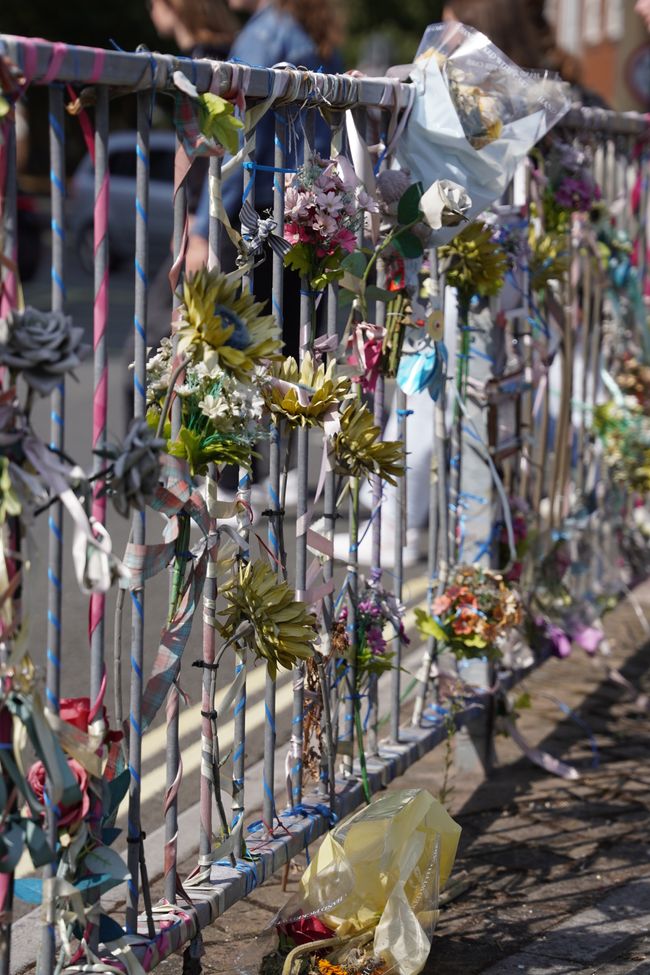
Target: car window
[(122, 163), (161, 165)]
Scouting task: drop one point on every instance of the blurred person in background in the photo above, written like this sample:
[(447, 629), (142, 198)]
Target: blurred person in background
[(200, 28)]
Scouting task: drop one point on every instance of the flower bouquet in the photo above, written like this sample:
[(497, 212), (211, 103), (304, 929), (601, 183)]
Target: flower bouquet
[(475, 116), (474, 614), (324, 205), (367, 903), (624, 431)]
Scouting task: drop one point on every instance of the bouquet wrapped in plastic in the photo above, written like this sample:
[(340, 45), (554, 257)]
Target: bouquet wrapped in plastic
[(476, 114), (368, 900)]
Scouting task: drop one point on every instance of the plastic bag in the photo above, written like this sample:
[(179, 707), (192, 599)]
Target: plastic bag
[(475, 115), (369, 897)]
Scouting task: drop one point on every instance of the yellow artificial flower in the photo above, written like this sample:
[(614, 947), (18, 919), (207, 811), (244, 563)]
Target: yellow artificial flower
[(224, 327)]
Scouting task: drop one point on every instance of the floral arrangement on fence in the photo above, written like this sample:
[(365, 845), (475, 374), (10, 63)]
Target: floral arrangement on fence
[(408, 216), (265, 615), (359, 451), (324, 204), (633, 378), (224, 344), (564, 177), (305, 395), (474, 262), (376, 609), (625, 434), (474, 614)]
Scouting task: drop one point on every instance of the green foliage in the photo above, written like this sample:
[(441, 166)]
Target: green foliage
[(408, 208), (408, 244), (217, 448), (218, 122)]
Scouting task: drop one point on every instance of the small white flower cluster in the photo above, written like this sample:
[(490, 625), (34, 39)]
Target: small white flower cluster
[(230, 405)]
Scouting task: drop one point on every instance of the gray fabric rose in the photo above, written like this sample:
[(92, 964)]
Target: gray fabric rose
[(136, 468), (42, 346)]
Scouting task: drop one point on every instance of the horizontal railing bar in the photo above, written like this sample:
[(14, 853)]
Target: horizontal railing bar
[(605, 120), (87, 65)]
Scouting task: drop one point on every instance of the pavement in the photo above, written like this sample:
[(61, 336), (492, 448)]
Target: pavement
[(552, 876)]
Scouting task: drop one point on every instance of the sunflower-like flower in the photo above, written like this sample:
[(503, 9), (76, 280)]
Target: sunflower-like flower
[(360, 451), (474, 262), (222, 328), (282, 630), (314, 391), (548, 260)]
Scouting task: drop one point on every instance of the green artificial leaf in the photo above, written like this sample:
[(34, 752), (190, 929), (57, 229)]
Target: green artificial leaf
[(373, 293), (355, 264), (299, 259), (345, 297), (327, 276), (115, 790), (351, 284), (428, 626), (217, 121), (408, 244), (408, 208)]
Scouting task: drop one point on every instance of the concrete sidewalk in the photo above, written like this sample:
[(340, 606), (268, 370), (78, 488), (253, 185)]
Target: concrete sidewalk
[(552, 876)]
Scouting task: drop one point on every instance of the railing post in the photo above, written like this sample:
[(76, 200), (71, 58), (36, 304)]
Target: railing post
[(55, 517), (138, 526)]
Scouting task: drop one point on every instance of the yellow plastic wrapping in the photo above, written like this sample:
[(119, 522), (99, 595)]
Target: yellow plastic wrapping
[(384, 865)]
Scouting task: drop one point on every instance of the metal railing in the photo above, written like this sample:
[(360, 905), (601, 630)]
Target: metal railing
[(530, 460)]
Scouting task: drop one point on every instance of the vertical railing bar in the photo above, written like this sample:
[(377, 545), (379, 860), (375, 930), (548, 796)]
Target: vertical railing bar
[(100, 402), (173, 758), (8, 279), (208, 676), (138, 525), (100, 369), (275, 449), (243, 523), (55, 516), (379, 317), (400, 539), (306, 344), (328, 764), (438, 528)]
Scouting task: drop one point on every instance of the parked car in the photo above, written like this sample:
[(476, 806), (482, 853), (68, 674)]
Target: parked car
[(122, 160)]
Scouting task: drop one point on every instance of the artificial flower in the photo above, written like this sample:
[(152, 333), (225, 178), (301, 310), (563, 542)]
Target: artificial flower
[(69, 816), (359, 450), (474, 262), (223, 327), (134, 473), (473, 614), (304, 395), (277, 627), (41, 347)]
